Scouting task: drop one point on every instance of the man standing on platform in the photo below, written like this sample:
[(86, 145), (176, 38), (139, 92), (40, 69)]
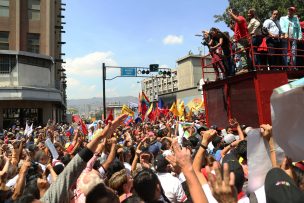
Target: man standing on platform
[(291, 29), (241, 37), (273, 39)]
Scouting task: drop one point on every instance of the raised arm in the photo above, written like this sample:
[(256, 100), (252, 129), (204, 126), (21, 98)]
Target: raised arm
[(52, 172), (234, 17), (6, 166), (183, 159), (223, 189), (137, 153), (111, 156), (18, 189), (59, 190), (229, 147), (235, 124), (198, 159), (266, 132)]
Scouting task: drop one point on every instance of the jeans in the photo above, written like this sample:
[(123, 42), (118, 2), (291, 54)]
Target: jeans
[(289, 52), (230, 68)]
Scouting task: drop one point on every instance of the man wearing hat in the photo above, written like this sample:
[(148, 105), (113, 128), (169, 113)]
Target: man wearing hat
[(281, 188), (291, 29)]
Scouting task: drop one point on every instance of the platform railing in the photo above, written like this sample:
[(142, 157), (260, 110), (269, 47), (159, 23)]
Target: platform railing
[(287, 55)]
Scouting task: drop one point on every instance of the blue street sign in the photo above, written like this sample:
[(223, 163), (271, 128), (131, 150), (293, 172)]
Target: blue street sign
[(128, 72)]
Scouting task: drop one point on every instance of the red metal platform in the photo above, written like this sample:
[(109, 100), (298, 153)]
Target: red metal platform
[(245, 97)]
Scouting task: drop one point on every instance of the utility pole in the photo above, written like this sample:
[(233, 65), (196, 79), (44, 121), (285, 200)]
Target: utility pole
[(104, 90)]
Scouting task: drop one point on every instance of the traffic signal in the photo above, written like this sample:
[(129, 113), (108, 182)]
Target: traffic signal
[(153, 67), (165, 73), (143, 72)]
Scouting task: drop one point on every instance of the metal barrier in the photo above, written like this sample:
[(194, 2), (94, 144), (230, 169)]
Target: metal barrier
[(272, 54)]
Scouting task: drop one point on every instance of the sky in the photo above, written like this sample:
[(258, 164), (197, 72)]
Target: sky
[(130, 33)]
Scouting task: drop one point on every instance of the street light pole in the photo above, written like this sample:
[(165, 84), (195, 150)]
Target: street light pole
[(104, 90)]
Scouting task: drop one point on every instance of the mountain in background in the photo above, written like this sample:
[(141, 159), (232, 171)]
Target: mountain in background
[(84, 106)]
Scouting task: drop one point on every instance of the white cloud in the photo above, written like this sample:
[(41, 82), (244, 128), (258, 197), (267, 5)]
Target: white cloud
[(73, 82), (82, 71), (173, 39), (112, 92), (90, 64)]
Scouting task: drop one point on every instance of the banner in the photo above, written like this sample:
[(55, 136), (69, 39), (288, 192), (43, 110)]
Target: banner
[(173, 109), (127, 110), (149, 110), (287, 114)]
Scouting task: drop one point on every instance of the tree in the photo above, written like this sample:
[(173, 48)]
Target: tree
[(73, 110), (263, 8)]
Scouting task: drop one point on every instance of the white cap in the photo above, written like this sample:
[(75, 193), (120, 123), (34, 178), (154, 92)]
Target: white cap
[(247, 130), (229, 138)]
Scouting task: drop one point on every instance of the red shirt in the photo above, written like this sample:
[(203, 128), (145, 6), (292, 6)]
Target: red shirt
[(240, 28)]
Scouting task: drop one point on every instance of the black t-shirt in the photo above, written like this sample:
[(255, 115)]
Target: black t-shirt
[(226, 42)]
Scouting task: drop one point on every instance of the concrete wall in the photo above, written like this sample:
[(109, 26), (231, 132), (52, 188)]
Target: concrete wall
[(188, 95), (189, 72), (185, 75), (197, 70), (34, 76), (9, 80)]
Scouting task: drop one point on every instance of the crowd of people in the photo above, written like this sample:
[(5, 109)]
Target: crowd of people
[(159, 161), (164, 160), (275, 44)]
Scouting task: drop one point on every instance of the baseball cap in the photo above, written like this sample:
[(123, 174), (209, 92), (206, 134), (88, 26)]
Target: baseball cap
[(160, 163), (229, 138), (280, 188)]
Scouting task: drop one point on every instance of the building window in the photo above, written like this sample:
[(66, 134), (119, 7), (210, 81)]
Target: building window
[(19, 116), (7, 63), (34, 9), (4, 44), (4, 8), (45, 63), (33, 42)]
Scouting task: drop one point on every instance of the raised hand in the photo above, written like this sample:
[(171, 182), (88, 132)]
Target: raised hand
[(286, 166), (223, 189), (233, 122), (266, 131), (101, 146), (111, 127), (207, 136), (172, 160), (182, 156)]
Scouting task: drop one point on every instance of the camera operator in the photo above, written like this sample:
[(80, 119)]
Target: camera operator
[(222, 41), (217, 62)]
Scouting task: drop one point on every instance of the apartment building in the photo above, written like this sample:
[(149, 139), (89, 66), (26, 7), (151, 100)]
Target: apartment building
[(32, 79), (159, 84)]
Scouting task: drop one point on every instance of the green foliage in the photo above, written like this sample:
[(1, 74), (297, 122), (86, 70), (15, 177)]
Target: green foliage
[(263, 8), (73, 110)]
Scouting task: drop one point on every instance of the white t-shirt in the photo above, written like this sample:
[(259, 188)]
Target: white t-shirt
[(260, 194), (12, 181), (128, 167), (172, 187), (211, 199)]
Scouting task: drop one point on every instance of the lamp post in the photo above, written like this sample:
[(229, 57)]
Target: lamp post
[(104, 90)]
